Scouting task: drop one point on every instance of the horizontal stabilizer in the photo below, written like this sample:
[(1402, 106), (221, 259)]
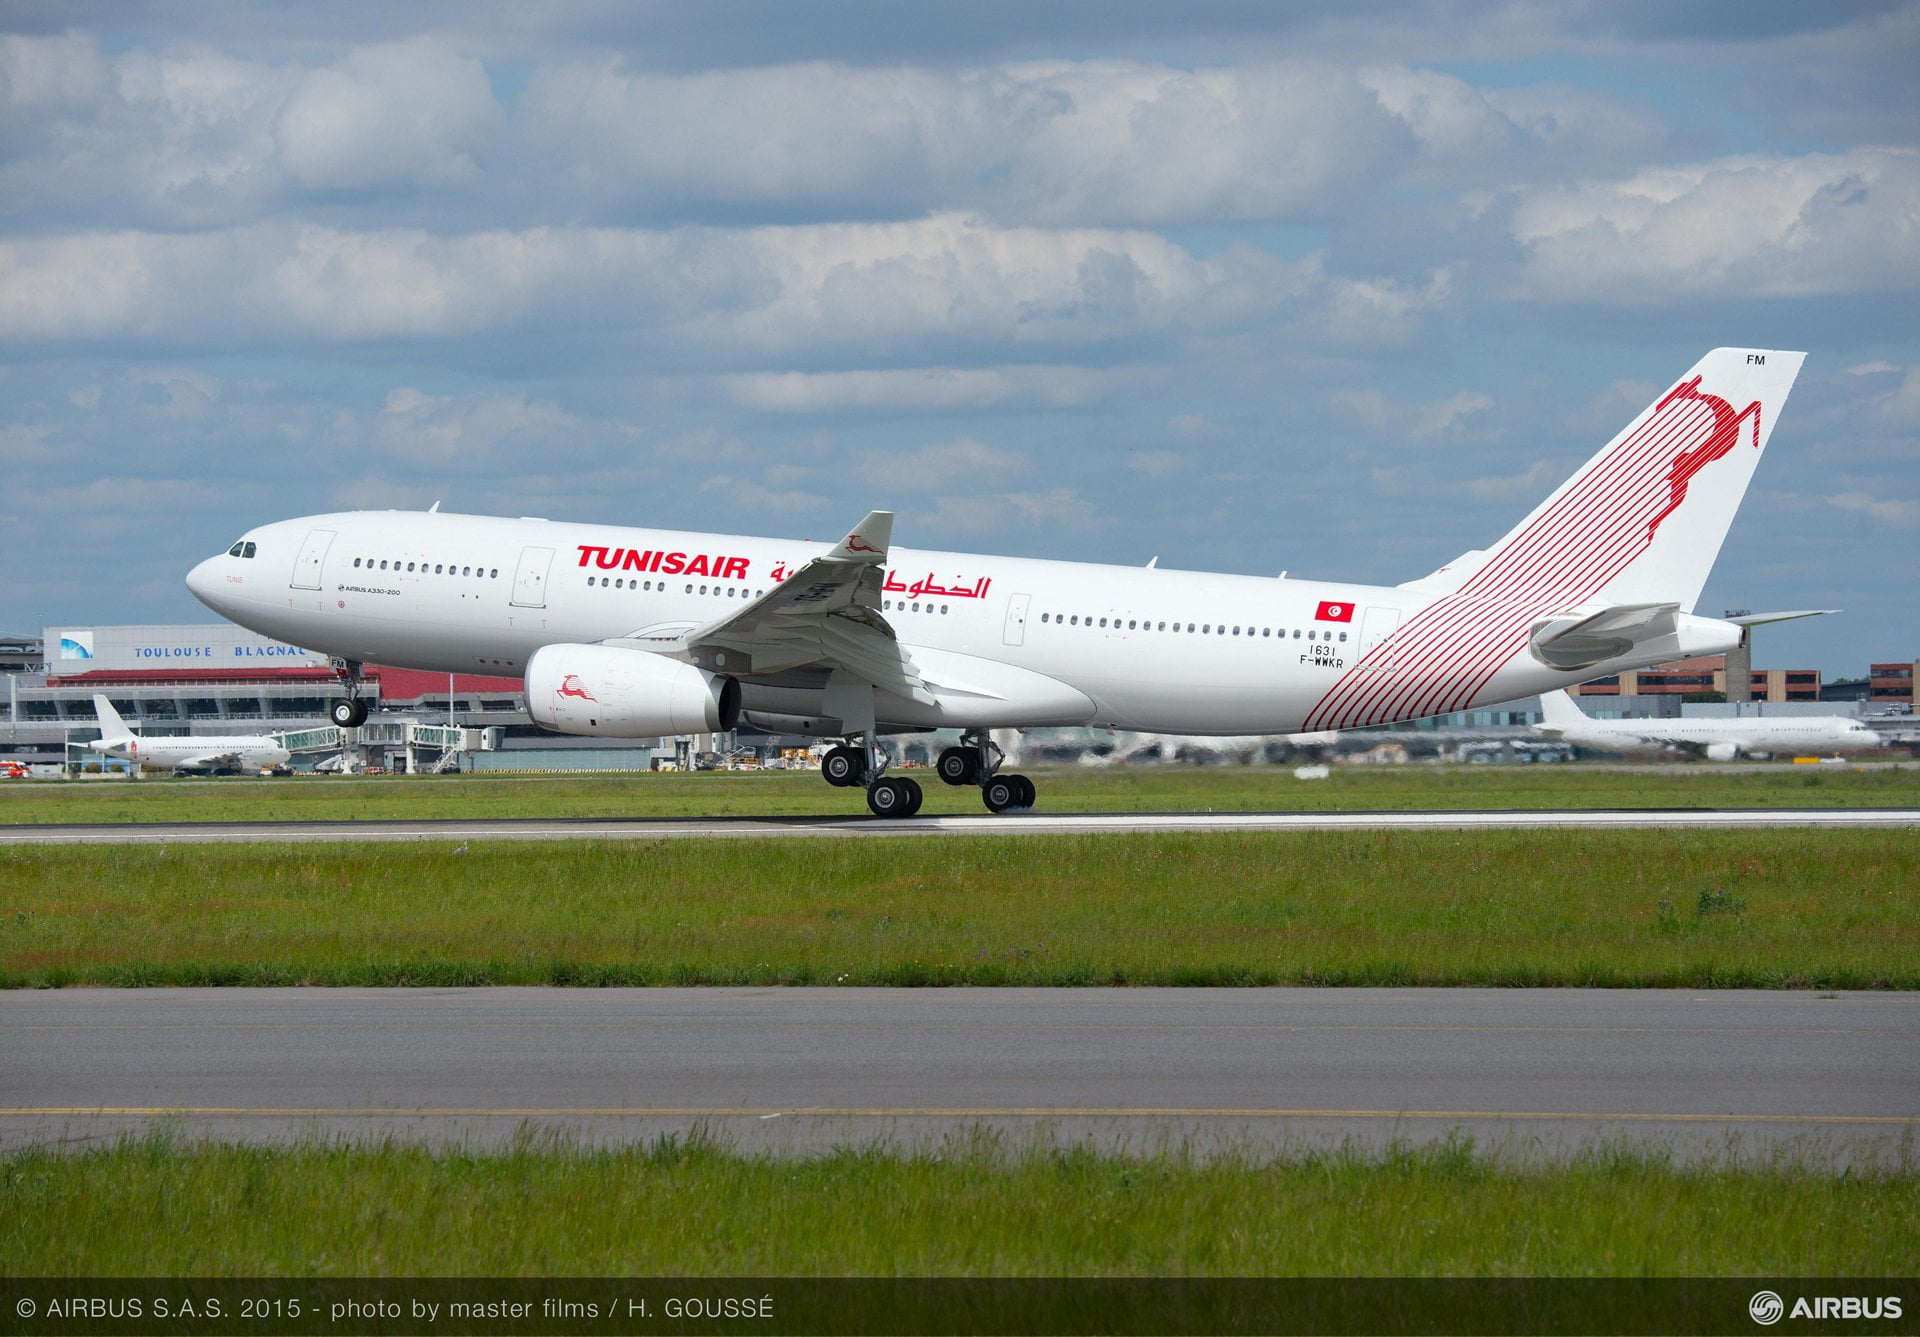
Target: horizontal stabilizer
[(1761, 619), (1576, 642)]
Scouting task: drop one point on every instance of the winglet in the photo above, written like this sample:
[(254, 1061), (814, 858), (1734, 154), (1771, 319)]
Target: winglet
[(867, 541)]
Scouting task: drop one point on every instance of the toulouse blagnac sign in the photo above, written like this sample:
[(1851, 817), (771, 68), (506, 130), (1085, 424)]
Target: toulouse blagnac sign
[(79, 649)]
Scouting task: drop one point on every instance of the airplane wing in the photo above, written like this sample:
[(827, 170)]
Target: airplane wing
[(825, 615), (207, 759)]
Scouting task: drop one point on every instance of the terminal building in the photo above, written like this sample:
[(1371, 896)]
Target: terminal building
[(213, 679)]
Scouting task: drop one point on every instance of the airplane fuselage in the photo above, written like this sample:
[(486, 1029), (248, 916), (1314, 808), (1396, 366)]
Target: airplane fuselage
[(1803, 734), (242, 752), (1028, 642)]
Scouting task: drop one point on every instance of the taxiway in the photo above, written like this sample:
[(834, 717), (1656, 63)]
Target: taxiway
[(799, 1070), (1005, 824)]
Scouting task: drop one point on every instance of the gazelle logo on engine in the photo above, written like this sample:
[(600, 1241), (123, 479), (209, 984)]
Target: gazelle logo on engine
[(572, 686)]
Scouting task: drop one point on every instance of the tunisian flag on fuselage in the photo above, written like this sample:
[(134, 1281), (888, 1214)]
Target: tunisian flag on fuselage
[(1329, 611)]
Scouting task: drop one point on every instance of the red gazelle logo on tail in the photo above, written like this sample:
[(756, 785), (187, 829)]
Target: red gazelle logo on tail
[(1724, 436)]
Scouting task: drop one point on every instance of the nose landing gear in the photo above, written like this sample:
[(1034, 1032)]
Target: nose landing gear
[(349, 712)]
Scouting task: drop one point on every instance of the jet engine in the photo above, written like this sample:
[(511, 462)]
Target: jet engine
[(1722, 751), (613, 692)]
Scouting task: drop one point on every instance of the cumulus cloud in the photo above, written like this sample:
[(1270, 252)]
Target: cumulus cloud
[(1750, 226), (1056, 143), (940, 465), (847, 292), (1891, 511), (396, 114), (933, 389), (189, 136), (1436, 420), (470, 430)]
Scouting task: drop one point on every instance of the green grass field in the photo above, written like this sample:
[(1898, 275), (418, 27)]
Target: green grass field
[(1697, 909), (1118, 789), (154, 1207)]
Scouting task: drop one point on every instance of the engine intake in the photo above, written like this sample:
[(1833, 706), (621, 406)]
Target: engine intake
[(610, 692)]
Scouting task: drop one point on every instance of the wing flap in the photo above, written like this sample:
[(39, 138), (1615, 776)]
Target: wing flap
[(826, 614)]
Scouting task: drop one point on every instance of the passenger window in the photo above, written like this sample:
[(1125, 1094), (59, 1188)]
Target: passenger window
[(1343, 635), (1131, 624), (356, 561), (1206, 627), (494, 574), (383, 564)]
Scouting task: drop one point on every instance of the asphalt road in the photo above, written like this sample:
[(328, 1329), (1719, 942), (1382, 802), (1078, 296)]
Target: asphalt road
[(1537, 1071), (1030, 823)]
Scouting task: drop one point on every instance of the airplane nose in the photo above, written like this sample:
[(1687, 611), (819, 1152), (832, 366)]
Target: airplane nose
[(203, 581)]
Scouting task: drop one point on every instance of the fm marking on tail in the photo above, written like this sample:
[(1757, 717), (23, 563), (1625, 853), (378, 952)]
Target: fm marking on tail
[(1722, 439)]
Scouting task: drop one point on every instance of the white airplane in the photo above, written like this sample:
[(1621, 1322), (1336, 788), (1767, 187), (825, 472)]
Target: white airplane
[(1716, 740), (205, 752), (631, 633)]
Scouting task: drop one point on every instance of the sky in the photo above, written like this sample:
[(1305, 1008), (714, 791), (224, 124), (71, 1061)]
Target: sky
[(1341, 291)]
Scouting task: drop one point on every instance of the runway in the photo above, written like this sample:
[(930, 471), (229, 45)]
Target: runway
[(798, 1070), (1005, 824)]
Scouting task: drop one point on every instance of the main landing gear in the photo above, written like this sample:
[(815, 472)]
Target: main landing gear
[(975, 762), (350, 712), (887, 795)]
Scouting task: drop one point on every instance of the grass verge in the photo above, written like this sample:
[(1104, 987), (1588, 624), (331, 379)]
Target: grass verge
[(1120, 789), (1701, 909), (156, 1207)]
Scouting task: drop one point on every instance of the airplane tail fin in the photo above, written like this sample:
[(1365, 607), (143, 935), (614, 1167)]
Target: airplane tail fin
[(1643, 520), (111, 725), (1558, 711)]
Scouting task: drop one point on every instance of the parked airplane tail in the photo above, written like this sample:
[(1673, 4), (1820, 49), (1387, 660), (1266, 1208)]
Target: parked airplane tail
[(111, 725), (1643, 520), (1557, 711)]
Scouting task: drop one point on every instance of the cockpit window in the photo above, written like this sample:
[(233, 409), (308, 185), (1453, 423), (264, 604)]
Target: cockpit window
[(241, 549), (234, 551), (249, 551)]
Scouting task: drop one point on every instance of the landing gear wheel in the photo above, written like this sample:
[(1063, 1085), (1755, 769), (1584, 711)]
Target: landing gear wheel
[(1001, 793), (893, 796), (1027, 791), (959, 766), (843, 766), (348, 714)]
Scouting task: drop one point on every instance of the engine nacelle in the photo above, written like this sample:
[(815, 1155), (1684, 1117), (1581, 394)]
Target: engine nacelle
[(1722, 751), (611, 692)]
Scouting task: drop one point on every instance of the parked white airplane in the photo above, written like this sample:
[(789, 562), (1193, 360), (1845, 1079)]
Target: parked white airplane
[(204, 752), (1716, 740), (638, 632)]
